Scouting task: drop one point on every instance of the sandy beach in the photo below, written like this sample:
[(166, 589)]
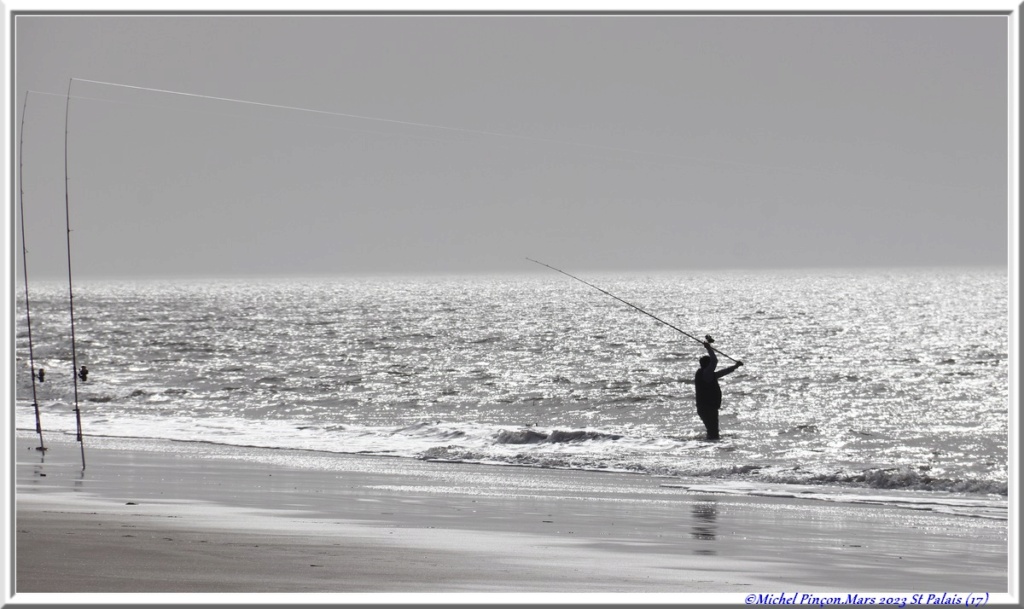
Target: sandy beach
[(150, 517)]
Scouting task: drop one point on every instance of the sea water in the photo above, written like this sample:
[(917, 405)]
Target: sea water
[(858, 385)]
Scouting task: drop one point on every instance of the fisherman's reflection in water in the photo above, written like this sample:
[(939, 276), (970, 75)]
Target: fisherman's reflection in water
[(705, 514)]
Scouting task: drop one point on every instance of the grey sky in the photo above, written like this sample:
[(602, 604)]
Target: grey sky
[(638, 143)]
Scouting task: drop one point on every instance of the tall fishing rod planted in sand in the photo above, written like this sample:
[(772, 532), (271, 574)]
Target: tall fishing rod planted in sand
[(24, 262), (71, 295), (707, 339)]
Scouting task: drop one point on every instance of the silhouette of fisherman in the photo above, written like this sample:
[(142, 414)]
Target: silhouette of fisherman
[(708, 393), (83, 373), (41, 374)]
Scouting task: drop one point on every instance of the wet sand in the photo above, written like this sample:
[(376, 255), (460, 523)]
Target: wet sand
[(152, 518)]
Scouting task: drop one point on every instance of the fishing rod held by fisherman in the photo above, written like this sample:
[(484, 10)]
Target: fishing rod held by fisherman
[(707, 338)]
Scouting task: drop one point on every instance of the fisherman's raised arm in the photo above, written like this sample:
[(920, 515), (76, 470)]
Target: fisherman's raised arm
[(709, 370)]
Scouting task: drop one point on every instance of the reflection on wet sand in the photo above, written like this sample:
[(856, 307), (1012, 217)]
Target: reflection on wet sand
[(705, 514)]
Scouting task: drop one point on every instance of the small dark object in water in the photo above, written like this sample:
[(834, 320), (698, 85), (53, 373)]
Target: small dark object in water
[(41, 375), (83, 373)]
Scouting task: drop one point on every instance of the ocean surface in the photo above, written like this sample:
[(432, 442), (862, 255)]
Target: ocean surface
[(859, 385)]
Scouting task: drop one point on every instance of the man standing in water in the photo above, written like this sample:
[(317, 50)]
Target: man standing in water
[(708, 393)]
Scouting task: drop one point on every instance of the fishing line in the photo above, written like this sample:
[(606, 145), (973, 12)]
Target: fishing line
[(71, 295), (441, 127), (395, 135), (797, 172), (630, 304), (24, 261), (314, 111)]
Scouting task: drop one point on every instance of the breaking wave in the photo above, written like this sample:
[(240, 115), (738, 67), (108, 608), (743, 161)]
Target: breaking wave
[(906, 478), (530, 436)]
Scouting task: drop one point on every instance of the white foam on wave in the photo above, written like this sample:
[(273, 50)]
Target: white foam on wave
[(681, 458)]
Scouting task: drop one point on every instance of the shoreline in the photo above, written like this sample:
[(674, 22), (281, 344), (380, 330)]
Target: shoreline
[(172, 519)]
